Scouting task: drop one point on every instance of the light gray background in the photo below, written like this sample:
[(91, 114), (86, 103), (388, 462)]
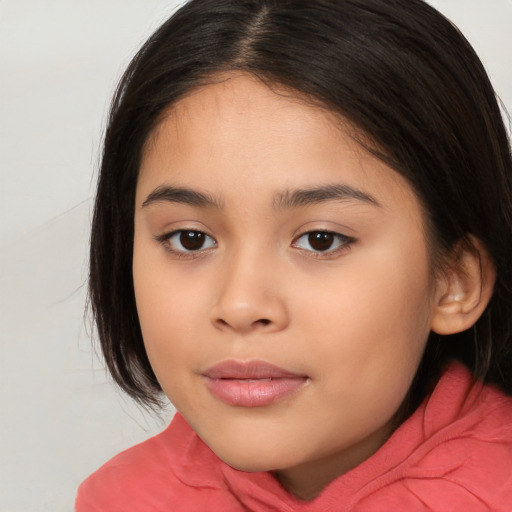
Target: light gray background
[(60, 416)]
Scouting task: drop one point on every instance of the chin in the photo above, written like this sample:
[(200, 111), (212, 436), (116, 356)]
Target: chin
[(251, 461)]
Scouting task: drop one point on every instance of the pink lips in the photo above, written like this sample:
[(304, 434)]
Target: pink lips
[(251, 383)]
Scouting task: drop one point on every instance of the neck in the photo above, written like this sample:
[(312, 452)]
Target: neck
[(306, 481)]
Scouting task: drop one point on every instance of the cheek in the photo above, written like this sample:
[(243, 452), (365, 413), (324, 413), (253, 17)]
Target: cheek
[(165, 316), (166, 308), (372, 321)]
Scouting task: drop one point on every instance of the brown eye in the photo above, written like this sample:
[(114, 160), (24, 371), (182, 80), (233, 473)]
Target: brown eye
[(322, 241), (187, 240), (192, 240)]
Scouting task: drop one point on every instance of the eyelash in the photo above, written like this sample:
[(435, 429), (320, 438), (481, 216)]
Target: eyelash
[(344, 242), (166, 241), (330, 237)]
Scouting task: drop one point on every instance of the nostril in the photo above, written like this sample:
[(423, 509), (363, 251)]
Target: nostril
[(242, 325)]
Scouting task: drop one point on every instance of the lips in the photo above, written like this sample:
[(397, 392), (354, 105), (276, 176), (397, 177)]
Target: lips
[(251, 383)]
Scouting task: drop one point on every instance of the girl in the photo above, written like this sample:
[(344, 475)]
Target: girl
[(303, 237)]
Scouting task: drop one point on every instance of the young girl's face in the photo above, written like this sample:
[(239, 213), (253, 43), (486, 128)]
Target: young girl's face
[(283, 281)]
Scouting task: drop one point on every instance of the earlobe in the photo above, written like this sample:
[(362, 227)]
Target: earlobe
[(464, 290)]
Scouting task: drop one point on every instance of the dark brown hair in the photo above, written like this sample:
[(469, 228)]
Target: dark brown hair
[(397, 70)]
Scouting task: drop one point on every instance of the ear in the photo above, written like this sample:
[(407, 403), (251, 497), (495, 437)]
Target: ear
[(464, 289)]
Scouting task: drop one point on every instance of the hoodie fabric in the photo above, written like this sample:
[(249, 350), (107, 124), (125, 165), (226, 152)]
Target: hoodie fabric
[(453, 454)]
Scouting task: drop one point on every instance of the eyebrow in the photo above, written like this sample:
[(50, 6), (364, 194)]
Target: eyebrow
[(310, 196), (288, 199), (167, 193)]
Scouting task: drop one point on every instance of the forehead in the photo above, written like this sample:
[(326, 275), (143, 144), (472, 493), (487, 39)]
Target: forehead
[(237, 107), (239, 131)]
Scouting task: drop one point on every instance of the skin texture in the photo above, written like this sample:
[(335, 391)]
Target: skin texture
[(353, 319)]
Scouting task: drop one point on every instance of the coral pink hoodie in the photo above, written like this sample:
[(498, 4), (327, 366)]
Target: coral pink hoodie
[(453, 454)]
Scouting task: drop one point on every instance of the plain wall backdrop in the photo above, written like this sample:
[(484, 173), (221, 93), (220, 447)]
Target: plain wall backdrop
[(60, 415)]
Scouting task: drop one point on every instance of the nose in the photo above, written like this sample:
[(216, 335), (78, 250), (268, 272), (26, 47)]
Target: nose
[(250, 297)]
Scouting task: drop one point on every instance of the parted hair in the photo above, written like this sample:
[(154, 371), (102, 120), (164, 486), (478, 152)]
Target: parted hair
[(404, 78)]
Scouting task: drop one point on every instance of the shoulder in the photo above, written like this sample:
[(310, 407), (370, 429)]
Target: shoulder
[(144, 477), (459, 450)]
